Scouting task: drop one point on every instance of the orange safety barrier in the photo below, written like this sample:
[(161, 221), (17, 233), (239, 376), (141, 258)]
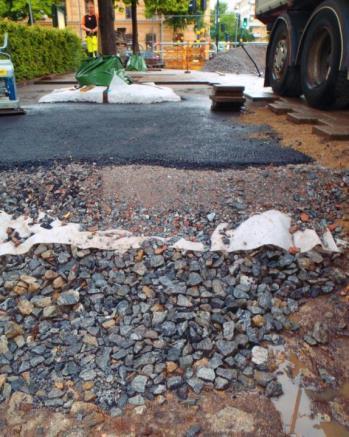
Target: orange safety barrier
[(183, 56)]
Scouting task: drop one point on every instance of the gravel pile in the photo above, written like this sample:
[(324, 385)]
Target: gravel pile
[(94, 326), (237, 61), (81, 325), (67, 192), (176, 203)]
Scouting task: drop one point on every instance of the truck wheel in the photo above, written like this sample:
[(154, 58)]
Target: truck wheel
[(322, 83), (282, 78)]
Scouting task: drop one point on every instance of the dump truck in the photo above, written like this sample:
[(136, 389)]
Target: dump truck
[(308, 50)]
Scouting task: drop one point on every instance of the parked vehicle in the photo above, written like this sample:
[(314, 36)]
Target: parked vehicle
[(152, 59), (308, 52)]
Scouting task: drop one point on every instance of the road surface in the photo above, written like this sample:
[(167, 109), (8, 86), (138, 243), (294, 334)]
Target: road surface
[(185, 134)]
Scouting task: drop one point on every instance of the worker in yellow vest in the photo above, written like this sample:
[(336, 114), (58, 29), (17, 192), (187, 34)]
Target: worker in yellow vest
[(90, 25)]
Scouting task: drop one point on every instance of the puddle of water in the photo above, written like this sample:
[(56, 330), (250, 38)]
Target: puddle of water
[(297, 367), (295, 406), (329, 394), (344, 391), (332, 429)]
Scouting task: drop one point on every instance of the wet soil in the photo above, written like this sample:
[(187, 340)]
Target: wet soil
[(321, 372), (332, 154), (318, 409), (214, 414)]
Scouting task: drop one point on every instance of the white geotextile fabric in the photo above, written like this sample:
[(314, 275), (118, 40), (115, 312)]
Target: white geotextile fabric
[(141, 94), (268, 228), (73, 95), (119, 93)]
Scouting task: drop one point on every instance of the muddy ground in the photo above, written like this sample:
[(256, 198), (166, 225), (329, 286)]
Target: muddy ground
[(332, 154), (224, 414)]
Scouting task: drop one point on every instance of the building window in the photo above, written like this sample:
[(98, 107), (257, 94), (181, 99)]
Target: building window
[(128, 12), (120, 35), (150, 40)]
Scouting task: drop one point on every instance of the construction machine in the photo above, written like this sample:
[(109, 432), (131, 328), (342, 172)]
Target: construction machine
[(9, 102)]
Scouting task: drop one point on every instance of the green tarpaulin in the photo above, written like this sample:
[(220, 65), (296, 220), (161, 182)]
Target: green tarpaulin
[(136, 63), (100, 71)]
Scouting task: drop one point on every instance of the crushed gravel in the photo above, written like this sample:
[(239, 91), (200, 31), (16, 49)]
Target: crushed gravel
[(237, 61), (114, 330)]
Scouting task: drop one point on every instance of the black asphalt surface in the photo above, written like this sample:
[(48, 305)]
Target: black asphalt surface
[(185, 134)]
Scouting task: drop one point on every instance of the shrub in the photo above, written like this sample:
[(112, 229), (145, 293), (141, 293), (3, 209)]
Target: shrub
[(37, 51)]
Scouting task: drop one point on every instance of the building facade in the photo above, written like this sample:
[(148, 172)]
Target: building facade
[(246, 9), (151, 31)]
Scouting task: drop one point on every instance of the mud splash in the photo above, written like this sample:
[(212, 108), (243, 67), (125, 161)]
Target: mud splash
[(296, 405)]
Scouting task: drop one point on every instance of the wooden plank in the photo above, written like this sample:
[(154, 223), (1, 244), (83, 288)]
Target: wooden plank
[(227, 99), (299, 118), (219, 87), (228, 93), (260, 96), (232, 107), (279, 109), (332, 132)]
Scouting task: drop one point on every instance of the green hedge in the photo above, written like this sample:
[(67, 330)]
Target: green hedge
[(37, 51)]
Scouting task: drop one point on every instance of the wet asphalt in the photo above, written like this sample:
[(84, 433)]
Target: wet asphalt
[(185, 135)]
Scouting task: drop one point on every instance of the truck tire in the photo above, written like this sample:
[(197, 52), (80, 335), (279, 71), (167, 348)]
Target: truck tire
[(324, 86), (283, 78)]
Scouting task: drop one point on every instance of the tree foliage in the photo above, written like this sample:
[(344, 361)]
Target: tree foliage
[(175, 8), (166, 7), (37, 51), (228, 25), (177, 12), (160, 7), (19, 10)]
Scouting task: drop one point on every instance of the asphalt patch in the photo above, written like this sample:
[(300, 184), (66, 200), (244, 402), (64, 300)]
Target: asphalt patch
[(185, 135)]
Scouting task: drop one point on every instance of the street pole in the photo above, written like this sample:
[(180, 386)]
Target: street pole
[(217, 24), (237, 27)]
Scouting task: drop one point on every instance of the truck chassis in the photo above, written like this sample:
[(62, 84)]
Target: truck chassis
[(308, 52)]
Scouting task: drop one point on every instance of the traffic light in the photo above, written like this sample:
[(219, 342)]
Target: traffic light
[(192, 6), (245, 23)]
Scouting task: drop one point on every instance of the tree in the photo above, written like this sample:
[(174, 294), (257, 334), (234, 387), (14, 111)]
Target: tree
[(154, 7), (135, 43), (180, 12), (106, 26), (227, 23), (19, 9), (229, 28)]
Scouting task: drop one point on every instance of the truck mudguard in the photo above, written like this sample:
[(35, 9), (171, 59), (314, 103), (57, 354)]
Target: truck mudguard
[(341, 10)]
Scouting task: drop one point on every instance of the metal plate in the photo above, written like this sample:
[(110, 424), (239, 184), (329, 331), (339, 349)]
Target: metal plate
[(17, 111)]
